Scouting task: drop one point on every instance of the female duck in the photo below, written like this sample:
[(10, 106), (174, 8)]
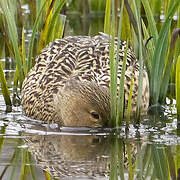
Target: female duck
[(69, 83)]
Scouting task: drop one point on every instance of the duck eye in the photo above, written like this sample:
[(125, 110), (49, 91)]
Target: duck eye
[(95, 115)]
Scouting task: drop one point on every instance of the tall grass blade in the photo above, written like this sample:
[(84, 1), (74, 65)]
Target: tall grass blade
[(31, 167), (121, 86), (23, 171), (24, 53), (168, 67), (31, 42), (52, 31), (12, 32), (131, 16), (159, 55), (107, 17), (160, 163), (177, 51), (171, 162), (113, 73), (137, 16), (147, 162), (178, 160), (47, 175), (58, 29), (126, 26), (15, 160), (4, 87), (38, 6), (114, 160), (151, 20), (120, 103), (149, 47), (16, 76), (44, 31), (2, 43), (178, 88), (121, 159), (139, 162), (128, 112), (2, 131), (129, 154)]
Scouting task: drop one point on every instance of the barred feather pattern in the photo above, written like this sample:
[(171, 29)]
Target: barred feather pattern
[(83, 58)]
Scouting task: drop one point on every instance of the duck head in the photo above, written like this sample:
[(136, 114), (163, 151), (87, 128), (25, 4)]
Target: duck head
[(85, 104)]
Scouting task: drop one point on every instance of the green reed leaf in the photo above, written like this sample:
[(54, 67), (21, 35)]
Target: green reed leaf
[(121, 86), (151, 20), (31, 167), (139, 162), (24, 170), (171, 162), (58, 29), (149, 48), (120, 151), (4, 87), (159, 55), (114, 160), (131, 17), (113, 73), (16, 76), (44, 30), (24, 53), (31, 42), (137, 16), (177, 51), (15, 159), (147, 162), (129, 157), (177, 158), (160, 163), (178, 87), (168, 67), (47, 175), (120, 102), (128, 112), (126, 26), (12, 32), (56, 20), (2, 131), (107, 17)]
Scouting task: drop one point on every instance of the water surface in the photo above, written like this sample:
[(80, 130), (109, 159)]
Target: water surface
[(30, 149)]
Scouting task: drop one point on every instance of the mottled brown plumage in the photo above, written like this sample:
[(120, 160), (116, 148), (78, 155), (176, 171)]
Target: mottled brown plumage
[(69, 83)]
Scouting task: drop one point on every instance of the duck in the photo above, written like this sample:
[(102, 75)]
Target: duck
[(70, 82)]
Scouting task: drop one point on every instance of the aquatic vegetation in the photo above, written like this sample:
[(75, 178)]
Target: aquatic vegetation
[(117, 104), (154, 160), (4, 87), (13, 36), (178, 87), (22, 158), (18, 49), (158, 69), (157, 55)]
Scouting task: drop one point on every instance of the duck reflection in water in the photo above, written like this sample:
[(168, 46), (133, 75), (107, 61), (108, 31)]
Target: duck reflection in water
[(72, 156)]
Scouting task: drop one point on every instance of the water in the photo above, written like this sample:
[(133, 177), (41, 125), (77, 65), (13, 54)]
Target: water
[(30, 149), (82, 153)]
